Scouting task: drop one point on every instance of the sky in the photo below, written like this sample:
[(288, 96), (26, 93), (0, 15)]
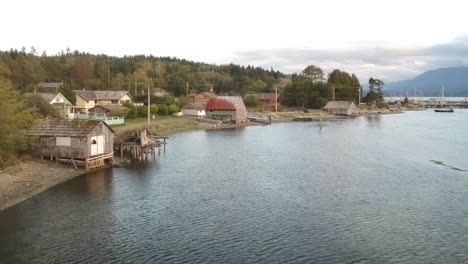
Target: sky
[(386, 39)]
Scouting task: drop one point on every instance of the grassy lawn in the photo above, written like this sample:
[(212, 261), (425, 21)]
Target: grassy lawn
[(145, 119)]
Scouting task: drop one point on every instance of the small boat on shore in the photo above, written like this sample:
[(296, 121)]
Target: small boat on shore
[(449, 110)]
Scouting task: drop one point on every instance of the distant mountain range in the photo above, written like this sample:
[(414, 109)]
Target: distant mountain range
[(430, 83)]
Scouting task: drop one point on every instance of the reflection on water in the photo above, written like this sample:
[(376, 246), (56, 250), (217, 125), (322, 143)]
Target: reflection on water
[(98, 183), (360, 190), (373, 120)]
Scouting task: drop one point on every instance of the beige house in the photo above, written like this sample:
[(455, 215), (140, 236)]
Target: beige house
[(86, 100), (341, 108)]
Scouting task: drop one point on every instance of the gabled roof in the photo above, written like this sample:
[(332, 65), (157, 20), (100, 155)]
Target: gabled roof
[(65, 127), (100, 95), (48, 97), (224, 103), (338, 105), (111, 108), (194, 106)]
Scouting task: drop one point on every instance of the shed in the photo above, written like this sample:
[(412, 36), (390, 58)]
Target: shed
[(227, 109), (341, 108), (194, 109), (84, 142)]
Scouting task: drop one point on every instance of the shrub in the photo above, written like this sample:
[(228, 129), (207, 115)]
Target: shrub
[(154, 109), (142, 111), (251, 101), (173, 109), (163, 109)]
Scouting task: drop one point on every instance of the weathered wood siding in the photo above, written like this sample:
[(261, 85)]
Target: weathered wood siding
[(80, 147), (99, 130)]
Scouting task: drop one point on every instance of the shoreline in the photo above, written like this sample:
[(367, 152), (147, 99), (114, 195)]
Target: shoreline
[(33, 175)]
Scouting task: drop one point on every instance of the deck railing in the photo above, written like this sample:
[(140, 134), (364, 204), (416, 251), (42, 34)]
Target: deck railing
[(110, 120)]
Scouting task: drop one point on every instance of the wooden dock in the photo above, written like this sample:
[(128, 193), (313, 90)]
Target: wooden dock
[(141, 145)]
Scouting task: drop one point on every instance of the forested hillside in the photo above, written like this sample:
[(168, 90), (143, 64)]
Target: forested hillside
[(25, 69)]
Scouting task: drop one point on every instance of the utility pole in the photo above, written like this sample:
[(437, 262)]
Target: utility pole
[(276, 98), (187, 89), (108, 74), (149, 104)]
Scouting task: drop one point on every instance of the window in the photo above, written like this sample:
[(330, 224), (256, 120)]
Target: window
[(63, 141)]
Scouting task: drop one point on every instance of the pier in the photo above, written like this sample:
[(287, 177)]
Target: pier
[(142, 144)]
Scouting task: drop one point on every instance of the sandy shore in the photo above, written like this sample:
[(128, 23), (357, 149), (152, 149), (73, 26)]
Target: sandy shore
[(32, 176)]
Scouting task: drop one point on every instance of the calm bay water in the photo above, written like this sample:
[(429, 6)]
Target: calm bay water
[(360, 190)]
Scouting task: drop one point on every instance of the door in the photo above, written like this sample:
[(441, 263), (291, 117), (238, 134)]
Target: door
[(100, 144), (97, 145), (94, 146)]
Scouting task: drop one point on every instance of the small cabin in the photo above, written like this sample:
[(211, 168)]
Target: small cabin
[(344, 108), (88, 143)]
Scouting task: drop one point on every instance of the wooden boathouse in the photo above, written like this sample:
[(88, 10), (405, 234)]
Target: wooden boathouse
[(85, 143)]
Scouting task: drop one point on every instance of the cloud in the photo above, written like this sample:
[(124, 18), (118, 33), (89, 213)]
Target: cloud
[(383, 61)]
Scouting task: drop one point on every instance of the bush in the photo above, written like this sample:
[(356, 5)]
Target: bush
[(41, 107), (142, 111), (251, 100), (154, 109), (163, 109), (173, 109)]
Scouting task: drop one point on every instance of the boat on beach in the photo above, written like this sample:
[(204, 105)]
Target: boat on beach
[(448, 110)]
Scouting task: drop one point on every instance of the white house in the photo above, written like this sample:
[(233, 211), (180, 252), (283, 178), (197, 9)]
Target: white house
[(194, 109), (58, 101)]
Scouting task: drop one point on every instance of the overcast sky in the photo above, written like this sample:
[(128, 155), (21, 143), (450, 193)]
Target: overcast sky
[(387, 39)]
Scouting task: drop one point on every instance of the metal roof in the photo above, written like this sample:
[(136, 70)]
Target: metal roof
[(338, 105), (65, 127), (111, 107), (224, 103), (100, 95)]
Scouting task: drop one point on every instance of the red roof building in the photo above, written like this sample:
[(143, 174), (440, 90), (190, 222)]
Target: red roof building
[(227, 109)]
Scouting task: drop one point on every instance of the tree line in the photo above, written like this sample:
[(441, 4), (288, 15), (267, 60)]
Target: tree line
[(310, 89), (26, 68)]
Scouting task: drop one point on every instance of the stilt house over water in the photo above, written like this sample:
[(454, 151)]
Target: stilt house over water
[(88, 143)]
